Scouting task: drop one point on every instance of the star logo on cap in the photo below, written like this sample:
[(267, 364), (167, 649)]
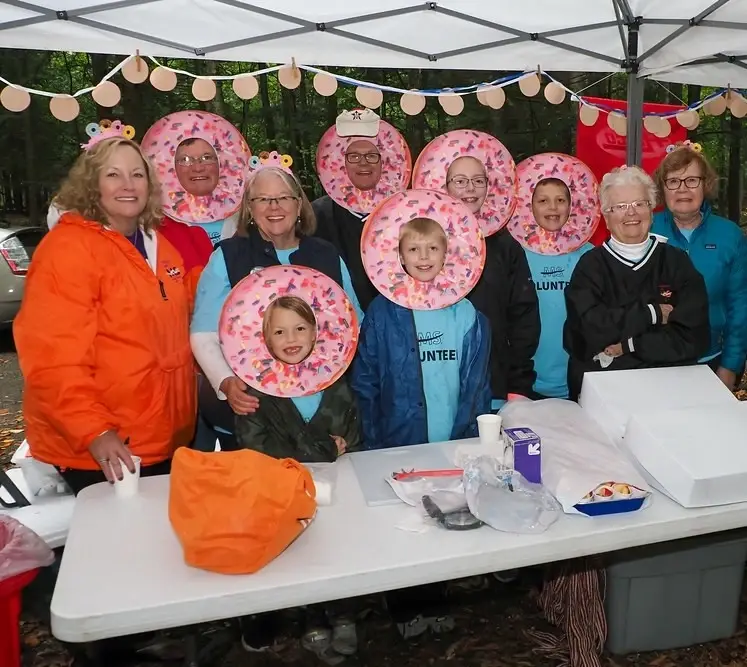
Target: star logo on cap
[(357, 115)]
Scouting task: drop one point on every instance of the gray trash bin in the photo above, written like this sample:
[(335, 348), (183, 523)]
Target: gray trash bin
[(675, 594)]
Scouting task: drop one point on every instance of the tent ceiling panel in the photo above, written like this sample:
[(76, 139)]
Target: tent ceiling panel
[(557, 35)]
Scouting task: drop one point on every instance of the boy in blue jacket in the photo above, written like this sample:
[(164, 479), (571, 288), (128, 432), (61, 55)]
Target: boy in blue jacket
[(421, 376)]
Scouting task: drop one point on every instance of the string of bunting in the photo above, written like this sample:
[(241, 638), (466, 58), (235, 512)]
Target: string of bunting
[(135, 69)]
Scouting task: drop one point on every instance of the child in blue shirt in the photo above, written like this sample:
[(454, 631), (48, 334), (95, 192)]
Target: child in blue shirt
[(421, 376), (551, 207)]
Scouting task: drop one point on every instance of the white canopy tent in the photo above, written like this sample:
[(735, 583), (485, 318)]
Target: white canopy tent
[(689, 41)]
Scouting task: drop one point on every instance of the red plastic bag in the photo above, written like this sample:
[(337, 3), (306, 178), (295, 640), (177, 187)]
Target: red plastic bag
[(21, 549)]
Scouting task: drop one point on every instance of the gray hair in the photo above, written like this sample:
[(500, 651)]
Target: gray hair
[(627, 176)]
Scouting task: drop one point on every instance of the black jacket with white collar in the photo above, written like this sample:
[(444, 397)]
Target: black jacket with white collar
[(611, 299)]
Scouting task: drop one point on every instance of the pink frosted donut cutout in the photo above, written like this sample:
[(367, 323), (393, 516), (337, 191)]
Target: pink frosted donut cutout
[(465, 255), (434, 161), (585, 211), (396, 167), (160, 143), (244, 347)]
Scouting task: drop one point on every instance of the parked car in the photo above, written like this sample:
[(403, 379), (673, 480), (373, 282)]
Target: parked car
[(17, 245)]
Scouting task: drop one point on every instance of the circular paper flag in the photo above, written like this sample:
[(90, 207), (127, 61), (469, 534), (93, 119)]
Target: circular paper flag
[(163, 79), (64, 107), (412, 104), (15, 99), (451, 104), (588, 115), (738, 106), (106, 94), (160, 143), (465, 253), (617, 123), (663, 128), (530, 85), (554, 93), (371, 98), (204, 89), (396, 166), (289, 77), (433, 163), (324, 84), (135, 70), (245, 87), (244, 346), (584, 216), (715, 106)]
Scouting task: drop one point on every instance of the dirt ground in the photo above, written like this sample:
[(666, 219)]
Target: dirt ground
[(491, 624)]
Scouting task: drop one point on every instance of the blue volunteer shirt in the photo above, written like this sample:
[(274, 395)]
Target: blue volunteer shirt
[(440, 339), (551, 275), (213, 230)]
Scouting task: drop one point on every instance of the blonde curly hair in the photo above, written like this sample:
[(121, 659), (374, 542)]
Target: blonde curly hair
[(80, 190)]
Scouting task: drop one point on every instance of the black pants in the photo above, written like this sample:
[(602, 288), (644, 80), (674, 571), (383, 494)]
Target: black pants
[(78, 480)]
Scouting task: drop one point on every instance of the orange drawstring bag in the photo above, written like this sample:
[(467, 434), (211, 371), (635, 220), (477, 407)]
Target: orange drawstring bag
[(234, 512)]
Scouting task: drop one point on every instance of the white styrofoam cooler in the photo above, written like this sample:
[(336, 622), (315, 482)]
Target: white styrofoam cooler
[(613, 397), (695, 456)]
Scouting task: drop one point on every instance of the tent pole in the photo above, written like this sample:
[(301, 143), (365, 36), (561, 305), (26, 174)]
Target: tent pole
[(635, 98)]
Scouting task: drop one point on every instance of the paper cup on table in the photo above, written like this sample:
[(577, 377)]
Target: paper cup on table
[(489, 428), (127, 487)]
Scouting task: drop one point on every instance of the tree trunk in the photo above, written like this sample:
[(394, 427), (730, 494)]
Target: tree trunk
[(264, 93), (734, 194)]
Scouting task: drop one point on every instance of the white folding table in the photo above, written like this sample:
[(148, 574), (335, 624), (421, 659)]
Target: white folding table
[(123, 570), (48, 516)]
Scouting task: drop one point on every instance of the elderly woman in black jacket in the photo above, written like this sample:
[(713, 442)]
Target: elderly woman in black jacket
[(633, 302)]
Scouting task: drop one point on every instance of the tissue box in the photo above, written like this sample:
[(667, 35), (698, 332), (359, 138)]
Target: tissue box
[(527, 447), (613, 397), (41, 478), (696, 456)]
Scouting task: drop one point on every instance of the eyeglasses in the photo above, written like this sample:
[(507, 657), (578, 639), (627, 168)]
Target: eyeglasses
[(621, 209), (355, 158), (461, 182), (188, 160), (691, 182), (266, 202)]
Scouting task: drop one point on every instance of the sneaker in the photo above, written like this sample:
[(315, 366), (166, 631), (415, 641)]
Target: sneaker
[(413, 628), (507, 576), (440, 624), (344, 636), (319, 642)]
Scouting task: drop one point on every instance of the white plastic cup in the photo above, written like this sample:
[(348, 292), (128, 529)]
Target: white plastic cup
[(127, 487), (489, 428)]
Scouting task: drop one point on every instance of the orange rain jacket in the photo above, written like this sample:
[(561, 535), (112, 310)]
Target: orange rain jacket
[(103, 343)]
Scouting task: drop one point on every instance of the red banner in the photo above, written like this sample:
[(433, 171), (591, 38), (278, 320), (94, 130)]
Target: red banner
[(603, 149)]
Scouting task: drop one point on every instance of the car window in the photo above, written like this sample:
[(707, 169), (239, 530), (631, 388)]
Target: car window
[(30, 238)]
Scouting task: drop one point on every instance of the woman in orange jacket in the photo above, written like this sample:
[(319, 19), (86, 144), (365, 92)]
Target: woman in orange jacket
[(103, 330)]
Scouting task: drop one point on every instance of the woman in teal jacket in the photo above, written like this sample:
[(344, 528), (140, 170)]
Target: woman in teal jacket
[(717, 248)]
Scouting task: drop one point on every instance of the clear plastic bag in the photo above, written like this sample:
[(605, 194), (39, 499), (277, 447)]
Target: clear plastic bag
[(21, 549), (504, 500)]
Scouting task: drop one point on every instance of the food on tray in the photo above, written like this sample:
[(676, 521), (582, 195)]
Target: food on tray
[(604, 491), (623, 490)]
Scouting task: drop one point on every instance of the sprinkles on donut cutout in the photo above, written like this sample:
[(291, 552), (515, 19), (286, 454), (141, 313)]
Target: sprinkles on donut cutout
[(396, 167), (584, 214), (160, 143), (434, 161), (243, 344), (465, 252)]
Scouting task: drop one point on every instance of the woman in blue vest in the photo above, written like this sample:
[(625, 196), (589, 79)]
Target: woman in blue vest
[(276, 227), (717, 247)]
